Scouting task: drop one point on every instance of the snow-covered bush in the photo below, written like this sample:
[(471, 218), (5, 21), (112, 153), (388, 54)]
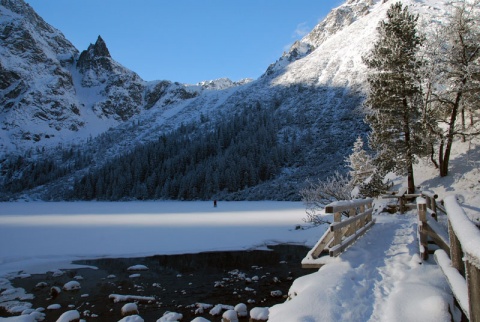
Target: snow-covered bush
[(319, 194)]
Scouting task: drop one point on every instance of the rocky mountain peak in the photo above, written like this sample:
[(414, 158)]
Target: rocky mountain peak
[(96, 54), (19, 7), (222, 83), (100, 48), (338, 19)]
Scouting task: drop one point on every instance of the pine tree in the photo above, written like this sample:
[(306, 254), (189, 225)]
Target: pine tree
[(395, 95), (360, 163)]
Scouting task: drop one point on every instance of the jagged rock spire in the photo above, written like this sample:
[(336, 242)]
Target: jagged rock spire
[(95, 54), (100, 48)]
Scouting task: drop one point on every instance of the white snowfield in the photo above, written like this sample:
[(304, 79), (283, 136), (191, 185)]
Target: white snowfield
[(40, 236), (379, 278)]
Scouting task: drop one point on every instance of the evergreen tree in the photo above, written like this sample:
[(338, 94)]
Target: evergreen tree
[(360, 163), (395, 95)]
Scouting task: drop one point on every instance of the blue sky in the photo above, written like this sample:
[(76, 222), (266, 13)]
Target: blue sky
[(187, 40)]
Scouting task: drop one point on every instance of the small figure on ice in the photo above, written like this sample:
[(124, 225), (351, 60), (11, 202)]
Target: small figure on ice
[(215, 203)]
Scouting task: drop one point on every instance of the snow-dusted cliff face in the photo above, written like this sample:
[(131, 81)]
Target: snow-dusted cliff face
[(36, 87), (331, 54), (50, 93)]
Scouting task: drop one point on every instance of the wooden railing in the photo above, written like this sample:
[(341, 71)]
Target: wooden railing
[(459, 253), (341, 233), (403, 199), (428, 226)]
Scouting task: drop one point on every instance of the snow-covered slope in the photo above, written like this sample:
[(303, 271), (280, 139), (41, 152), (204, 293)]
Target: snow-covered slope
[(339, 42), (319, 83)]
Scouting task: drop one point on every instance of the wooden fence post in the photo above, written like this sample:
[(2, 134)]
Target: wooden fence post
[(433, 206), (361, 223), (473, 283), (456, 252), (353, 228), (422, 218), (337, 235), (370, 216)]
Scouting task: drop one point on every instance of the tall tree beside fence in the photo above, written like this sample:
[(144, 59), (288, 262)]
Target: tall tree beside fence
[(395, 97)]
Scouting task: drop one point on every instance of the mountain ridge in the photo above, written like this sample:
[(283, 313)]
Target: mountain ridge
[(318, 86)]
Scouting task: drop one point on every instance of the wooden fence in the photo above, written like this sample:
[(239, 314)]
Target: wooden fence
[(459, 253), (403, 199), (341, 233), (428, 226)]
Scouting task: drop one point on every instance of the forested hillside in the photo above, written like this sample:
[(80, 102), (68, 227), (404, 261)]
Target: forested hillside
[(193, 162)]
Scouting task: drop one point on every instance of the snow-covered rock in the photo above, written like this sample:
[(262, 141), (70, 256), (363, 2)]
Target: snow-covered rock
[(171, 317), (132, 318), (72, 286), (123, 298), (230, 316), (54, 307), (259, 313), (241, 310), (129, 309), (69, 316), (200, 319), (137, 268)]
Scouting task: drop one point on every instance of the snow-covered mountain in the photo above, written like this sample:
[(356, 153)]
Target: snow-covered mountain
[(51, 94)]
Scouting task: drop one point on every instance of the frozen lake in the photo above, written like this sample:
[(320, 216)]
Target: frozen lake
[(37, 236)]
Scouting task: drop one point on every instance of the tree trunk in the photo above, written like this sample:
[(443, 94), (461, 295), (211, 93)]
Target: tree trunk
[(451, 133), (441, 166), (408, 146), (432, 155), (410, 179)]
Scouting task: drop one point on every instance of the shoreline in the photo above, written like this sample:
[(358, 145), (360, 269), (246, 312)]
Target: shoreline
[(213, 278)]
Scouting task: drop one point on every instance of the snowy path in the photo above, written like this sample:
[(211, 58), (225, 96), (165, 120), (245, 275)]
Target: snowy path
[(379, 278)]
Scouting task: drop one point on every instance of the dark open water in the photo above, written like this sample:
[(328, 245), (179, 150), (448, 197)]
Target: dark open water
[(177, 282)]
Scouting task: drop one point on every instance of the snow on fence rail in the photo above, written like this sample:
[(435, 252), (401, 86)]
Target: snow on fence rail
[(341, 234), (459, 256)]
